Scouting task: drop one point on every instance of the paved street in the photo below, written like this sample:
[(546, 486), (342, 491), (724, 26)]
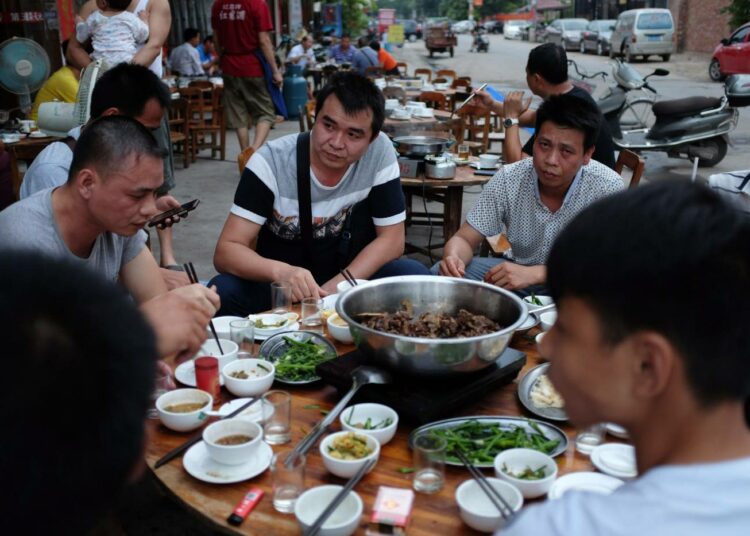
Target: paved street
[(503, 67)]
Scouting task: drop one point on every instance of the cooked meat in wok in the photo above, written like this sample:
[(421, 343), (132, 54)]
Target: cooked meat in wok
[(431, 325)]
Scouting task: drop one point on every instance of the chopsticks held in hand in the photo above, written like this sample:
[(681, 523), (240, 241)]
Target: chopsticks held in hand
[(172, 454), (468, 99), (349, 277), (493, 495), (193, 277), (339, 498)]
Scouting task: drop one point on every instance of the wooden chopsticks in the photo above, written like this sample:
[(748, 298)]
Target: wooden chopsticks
[(193, 277), (493, 495), (349, 277)]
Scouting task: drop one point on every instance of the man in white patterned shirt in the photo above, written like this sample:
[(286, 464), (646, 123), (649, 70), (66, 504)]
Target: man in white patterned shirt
[(534, 199)]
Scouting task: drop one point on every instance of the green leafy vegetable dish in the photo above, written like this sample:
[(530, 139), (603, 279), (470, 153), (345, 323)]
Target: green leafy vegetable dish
[(534, 300), (297, 363), (482, 441), (262, 325)]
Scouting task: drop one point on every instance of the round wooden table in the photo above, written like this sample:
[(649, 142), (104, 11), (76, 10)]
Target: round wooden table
[(431, 515)]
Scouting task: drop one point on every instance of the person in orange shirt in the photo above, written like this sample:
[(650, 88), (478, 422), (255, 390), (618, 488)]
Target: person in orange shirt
[(388, 62)]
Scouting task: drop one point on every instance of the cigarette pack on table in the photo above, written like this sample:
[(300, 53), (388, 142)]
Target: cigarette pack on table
[(391, 512)]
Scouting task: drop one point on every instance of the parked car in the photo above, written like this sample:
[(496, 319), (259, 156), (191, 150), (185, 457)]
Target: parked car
[(566, 33), (493, 26), (596, 36), (412, 29), (731, 56), (643, 32), (463, 26), (512, 29)]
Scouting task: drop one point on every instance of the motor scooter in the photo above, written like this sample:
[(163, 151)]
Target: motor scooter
[(692, 127), (481, 41)]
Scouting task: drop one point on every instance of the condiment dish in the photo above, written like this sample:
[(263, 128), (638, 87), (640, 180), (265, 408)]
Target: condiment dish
[(544, 300), (342, 522), (339, 329), (184, 421), (347, 468), (548, 320), (516, 461), (476, 509), (232, 453), (383, 421), (260, 375), (269, 323)]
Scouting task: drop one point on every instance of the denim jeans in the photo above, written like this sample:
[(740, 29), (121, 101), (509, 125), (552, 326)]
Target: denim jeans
[(240, 297), (479, 266)]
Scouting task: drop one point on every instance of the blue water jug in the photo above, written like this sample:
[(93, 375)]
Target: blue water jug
[(295, 89)]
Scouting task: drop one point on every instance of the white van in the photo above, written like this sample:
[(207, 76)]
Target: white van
[(643, 32)]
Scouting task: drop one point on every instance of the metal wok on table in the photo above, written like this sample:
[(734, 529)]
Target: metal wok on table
[(424, 356)]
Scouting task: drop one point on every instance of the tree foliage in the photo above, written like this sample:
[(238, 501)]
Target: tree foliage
[(454, 9), (353, 13), (739, 12)]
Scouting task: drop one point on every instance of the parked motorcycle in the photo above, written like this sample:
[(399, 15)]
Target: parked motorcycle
[(692, 127)]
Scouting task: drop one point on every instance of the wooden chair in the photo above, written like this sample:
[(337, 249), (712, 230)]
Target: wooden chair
[(393, 92), (447, 73), (467, 78), (402, 68), (462, 84), (434, 99), (374, 72), (243, 157), (179, 129), (440, 80), (425, 74), (22, 151), (208, 126), (473, 128), (629, 159), (310, 113)]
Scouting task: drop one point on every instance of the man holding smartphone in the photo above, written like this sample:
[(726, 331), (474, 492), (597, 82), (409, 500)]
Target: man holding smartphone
[(96, 219)]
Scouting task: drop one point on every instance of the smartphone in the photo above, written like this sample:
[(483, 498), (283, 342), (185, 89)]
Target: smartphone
[(485, 172), (180, 211)]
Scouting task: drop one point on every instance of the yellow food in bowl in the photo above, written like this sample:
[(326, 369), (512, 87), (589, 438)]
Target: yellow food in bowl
[(325, 313), (350, 446), (336, 320)]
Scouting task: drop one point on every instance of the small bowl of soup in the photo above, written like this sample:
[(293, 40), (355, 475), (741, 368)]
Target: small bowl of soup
[(339, 329), (248, 377), (183, 410), (232, 441)]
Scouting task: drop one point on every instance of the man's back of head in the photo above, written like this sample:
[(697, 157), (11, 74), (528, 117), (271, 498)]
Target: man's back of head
[(550, 62), (80, 361), (128, 88), (670, 258)]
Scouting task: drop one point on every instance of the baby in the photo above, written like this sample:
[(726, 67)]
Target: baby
[(113, 30)]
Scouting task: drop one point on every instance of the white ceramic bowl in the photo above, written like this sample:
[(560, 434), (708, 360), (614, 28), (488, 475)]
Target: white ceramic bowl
[(211, 348), (254, 385), (221, 324), (548, 319), (377, 413), (340, 333), (232, 454), (546, 300), (418, 104), (184, 422), (488, 160), (538, 339), (344, 285), (270, 319), (347, 468), (476, 509), (516, 460), (342, 522)]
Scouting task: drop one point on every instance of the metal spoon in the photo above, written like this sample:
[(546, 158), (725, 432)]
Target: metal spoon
[(360, 376)]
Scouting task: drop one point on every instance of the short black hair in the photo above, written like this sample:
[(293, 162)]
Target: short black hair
[(571, 112), (107, 142), (375, 45), (120, 5), (128, 87), (80, 360), (208, 38), (356, 93), (190, 33), (670, 257), (550, 62)]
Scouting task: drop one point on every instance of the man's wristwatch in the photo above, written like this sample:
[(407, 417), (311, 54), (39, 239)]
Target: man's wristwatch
[(508, 122)]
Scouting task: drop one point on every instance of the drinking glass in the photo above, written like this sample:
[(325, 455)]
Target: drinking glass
[(288, 482), (281, 297), (207, 375), (277, 428), (310, 314), (429, 463), (463, 151), (243, 333), (589, 438)]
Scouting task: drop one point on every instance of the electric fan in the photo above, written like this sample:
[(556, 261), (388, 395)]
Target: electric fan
[(24, 66), (57, 118)]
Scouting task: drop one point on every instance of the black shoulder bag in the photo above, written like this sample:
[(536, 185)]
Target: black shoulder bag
[(358, 228)]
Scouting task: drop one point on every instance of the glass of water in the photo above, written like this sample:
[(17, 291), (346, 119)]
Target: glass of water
[(281, 297), (277, 428), (288, 482), (589, 438), (243, 333), (310, 314), (429, 463)]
